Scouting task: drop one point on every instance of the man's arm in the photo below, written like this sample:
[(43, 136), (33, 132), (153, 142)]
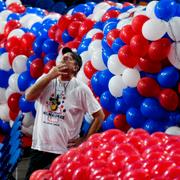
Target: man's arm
[(33, 92)]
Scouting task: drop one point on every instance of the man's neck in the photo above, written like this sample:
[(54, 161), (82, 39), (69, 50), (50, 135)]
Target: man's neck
[(65, 78)]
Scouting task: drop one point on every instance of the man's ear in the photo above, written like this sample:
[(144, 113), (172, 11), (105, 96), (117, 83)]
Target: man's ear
[(76, 68)]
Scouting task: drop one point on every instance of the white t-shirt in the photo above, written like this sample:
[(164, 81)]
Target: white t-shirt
[(60, 111)]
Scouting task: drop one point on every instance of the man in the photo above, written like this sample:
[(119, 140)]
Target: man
[(62, 101)]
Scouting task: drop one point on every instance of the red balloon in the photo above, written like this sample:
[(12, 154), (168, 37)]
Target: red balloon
[(27, 40), (148, 66), (126, 57), (169, 99), (137, 142), (126, 33), (148, 87), (52, 31), (85, 27), (49, 65), (58, 35), (12, 42), (139, 45), (137, 174), (89, 70), (120, 121), (13, 102), (172, 173), (138, 22), (98, 35), (36, 68), (100, 172), (158, 50), (16, 8), (64, 22), (13, 115), (11, 25), (41, 174), (93, 154), (112, 35), (107, 135), (82, 173), (58, 160), (117, 139), (79, 16), (73, 44), (110, 14), (73, 28)]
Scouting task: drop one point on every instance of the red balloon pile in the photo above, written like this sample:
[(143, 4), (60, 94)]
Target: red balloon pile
[(113, 154)]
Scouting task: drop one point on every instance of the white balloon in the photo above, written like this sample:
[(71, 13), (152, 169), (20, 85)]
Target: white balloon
[(11, 122), (16, 32), (116, 86), (101, 6), (13, 82), (85, 57), (131, 77), (4, 62), (123, 15), (81, 76), (8, 92), (174, 55), (119, 5), (4, 14), (173, 28), (53, 16), (19, 64), (124, 22), (114, 65), (97, 61), (8, 2), (150, 9), (94, 46), (4, 112), (70, 12), (98, 16), (28, 119), (173, 130), (2, 95), (140, 13), (154, 29), (3, 24), (32, 21), (92, 32)]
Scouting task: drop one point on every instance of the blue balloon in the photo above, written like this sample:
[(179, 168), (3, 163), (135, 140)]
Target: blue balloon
[(108, 27), (120, 106), (4, 78), (151, 108), (124, 9), (23, 80), (13, 16), (2, 6), (50, 46), (109, 122), (48, 22), (5, 127), (106, 53), (168, 77), (131, 97), (66, 37), (135, 118), (177, 10), (48, 57), (104, 77), (117, 44), (108, 101), (174, 119), (84, 8), (84, 45), (37, 45), (36, 28), (145, 74), (91, 4), (98, 25), (165, 9), (43, 32), (2, 50), (24, 105), (95, 83), (152, 125), (30, 60)]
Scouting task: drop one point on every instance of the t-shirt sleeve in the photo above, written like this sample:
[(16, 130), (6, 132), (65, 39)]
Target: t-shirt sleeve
[(90, 103)]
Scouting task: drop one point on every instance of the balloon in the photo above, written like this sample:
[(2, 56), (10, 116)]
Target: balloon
[(131, 97), (139, 45), (49, 46), (4, 112), (11, 25), (154, 25), (173, 130), (126, 57), (159, 50), (122, 23), (131, 77), (13, 82), (2, 97), (27, 40), (151, 108), (174, 55), (169, 99), (52, 31), (148, 87), (94, 46), (106, 53), (48, 66), (138, 22), (97, 36), (134, 118), (126, 33), (36, 68), (4, 62), (112, 35), (41, 174), (13, 102), (108, 123), (114, 65), (165, 9), (117, 44), (150, 9), (120, 121), (84, 45), (79, 16), (93, 32), (73, 28), (168, 77), (13, 42), (121, 106), (19, 64), (24, 105), (89, 70), (66, 37), (81, 173), (116, 86), (110, 14)]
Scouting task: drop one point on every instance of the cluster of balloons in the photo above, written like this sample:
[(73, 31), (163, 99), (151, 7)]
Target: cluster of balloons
[(4, 127), (113, 154)]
